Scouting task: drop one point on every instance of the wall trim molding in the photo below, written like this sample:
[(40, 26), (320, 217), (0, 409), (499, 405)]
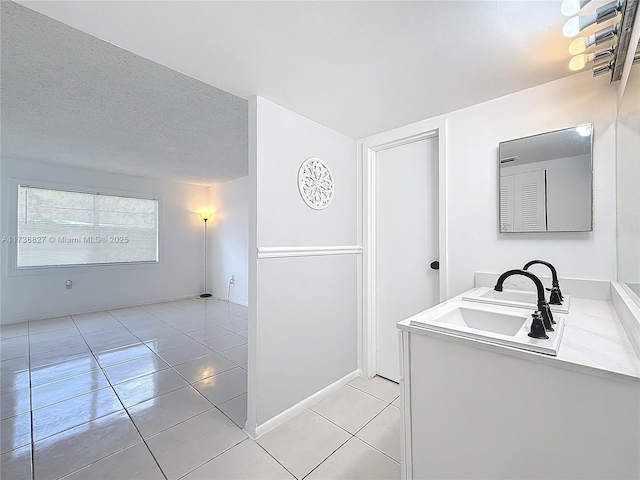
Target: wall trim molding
[(308, 251), (300, 406)]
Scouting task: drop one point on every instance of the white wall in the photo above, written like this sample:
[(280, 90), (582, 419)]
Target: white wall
[(229, 245), (472, 138), (302, 310), (2, 261), (32, 294), (473, 135)]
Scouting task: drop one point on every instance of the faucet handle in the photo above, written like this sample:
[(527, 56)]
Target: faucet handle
[(556, 297), (537, 327)]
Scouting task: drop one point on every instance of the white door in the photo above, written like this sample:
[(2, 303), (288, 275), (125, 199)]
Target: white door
[(523, 199), (530, 211), (406, 199)]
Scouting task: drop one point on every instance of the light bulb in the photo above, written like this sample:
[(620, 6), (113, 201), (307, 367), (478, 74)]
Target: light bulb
[(576, 24), (579, 45), (579, 61), (571, 7), (572, 27)]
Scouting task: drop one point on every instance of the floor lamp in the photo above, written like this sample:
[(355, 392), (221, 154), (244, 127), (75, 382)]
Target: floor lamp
[(205, 217)]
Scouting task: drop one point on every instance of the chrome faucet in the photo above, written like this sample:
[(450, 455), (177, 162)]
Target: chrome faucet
[(542, 318), (555, 298)]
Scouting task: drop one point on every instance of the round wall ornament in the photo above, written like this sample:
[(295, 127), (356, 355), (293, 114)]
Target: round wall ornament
[(315, 183)]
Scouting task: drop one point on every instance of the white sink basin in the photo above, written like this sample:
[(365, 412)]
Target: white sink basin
[(513, 298), (504, 326)]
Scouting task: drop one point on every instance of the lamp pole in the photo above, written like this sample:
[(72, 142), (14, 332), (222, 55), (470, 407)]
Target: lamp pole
[(205, 217)]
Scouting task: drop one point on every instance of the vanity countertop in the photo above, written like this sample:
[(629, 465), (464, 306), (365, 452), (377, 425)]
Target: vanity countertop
[(594, 341)]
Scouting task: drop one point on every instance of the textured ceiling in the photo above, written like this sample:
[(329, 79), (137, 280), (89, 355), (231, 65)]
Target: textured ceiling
[(357, 67), (68, 97)]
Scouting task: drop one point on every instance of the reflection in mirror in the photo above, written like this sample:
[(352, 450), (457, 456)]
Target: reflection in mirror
[(628, 184), (545, 182)]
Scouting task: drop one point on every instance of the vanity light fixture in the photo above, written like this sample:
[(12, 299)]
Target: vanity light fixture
[(622, 30), (579, 61), (602, 68), (580, 44), (606, 67), (575, 25)]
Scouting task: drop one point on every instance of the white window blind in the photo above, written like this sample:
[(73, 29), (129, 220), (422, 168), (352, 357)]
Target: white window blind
[(57, 227)]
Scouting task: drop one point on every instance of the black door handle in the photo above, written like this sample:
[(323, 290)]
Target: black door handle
[(435, 265)]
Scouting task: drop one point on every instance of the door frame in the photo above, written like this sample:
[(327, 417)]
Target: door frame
[(367, 153)]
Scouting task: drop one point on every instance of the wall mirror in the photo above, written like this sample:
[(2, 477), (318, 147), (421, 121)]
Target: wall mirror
[(628, 185), (546, 182)]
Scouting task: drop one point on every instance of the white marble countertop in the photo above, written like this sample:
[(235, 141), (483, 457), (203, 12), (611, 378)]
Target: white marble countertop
[(594, 337), (594, 341)]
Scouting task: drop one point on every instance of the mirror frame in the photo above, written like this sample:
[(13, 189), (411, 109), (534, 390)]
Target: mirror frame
[(591, 136)]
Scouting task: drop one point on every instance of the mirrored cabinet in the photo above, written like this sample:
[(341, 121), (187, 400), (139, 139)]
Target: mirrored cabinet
[(546, 182)]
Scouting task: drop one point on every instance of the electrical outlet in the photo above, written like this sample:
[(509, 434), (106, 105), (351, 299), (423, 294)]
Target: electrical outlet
[(68, 284), (233, 280)]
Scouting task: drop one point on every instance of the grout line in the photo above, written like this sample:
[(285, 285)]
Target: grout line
[(232, 421), (371, 394), (373, 446), (332, 422), (190, 384), (330, 455), (211, 459), (389, 404), (165, 429), (148, 448), (123, 407), (128, 415), (102, 368), (32, 446), (66, 475), (378, 450), (374, 417), (70, 398), (277, 461), (352, 436)]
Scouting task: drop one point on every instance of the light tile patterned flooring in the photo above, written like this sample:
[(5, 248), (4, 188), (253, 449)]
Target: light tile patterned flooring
[(159, 391)]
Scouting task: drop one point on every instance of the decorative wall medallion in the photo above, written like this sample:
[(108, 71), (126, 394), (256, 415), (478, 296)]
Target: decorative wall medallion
[(315, 183)]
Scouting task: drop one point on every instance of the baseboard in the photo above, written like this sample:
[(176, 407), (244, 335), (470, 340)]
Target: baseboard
[(100, 309), (302, 405), (223, 299)]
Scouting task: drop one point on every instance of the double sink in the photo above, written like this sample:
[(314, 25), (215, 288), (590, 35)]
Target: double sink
[(491, 316)]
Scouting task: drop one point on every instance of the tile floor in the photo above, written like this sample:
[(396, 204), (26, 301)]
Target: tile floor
[(159, 391)]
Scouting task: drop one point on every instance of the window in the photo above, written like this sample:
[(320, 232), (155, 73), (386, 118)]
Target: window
[(57, 227)]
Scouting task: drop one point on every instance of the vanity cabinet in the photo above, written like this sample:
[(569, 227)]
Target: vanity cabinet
[(477, 410)]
